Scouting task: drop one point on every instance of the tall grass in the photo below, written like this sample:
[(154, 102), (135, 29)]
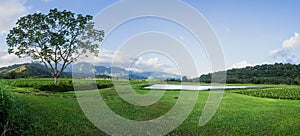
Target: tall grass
[(13, 118), (6, 101)]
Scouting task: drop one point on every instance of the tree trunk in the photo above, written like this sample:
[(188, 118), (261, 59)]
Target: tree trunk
[(55, 81)]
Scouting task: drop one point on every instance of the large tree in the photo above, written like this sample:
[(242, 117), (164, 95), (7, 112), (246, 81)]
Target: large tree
[(56, 39)]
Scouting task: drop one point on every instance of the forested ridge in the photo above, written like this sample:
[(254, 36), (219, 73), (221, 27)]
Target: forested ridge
[(277, 73)]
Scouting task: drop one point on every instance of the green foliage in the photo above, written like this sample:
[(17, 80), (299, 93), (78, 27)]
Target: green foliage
[(265, 74), (64, 85), (34, 82), (27, 70), (13, 117), (55, 88), (172, 80), (61, 87), (102, 86), (7, 100), (58, 37), (60, 114), (237, 115), (292, 93)]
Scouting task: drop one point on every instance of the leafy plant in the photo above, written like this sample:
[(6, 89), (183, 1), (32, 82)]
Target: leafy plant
[(6, 102), (13, 117)]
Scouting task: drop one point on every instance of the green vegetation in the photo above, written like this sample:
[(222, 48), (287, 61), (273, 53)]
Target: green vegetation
[(58, 113), (56, 39), (54, 115), (283, 92), (33, 82), (6, 101), (14, 120), (265, 74), (24, 71), (37, 70), (46, 84)]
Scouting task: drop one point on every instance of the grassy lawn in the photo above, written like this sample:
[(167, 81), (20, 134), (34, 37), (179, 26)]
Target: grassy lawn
[(239, 113), (57, 116)]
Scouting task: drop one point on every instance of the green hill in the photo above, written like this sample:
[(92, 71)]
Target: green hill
[(27, 70), (262, 74)]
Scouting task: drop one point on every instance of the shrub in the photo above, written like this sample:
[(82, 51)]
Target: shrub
[(102, 86), (65, 86), (54, 88)]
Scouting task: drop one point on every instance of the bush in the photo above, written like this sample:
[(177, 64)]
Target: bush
[(54, 88), (65, 86), (102, 86)]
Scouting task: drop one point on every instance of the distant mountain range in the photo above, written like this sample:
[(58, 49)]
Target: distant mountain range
[(37, 70), (262, 74)]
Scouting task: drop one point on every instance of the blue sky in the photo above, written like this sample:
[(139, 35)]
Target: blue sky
[(251, 32)]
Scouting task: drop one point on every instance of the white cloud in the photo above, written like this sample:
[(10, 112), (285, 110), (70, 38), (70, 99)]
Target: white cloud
[(10, 11), (106, 58), (151, 62), (289, 51), (124, 60), (11, 59), (274, 52), (134, 69), (292, 42), (155, 64), (243, 64)]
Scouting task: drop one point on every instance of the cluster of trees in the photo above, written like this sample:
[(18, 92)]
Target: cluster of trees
[(264, 74)]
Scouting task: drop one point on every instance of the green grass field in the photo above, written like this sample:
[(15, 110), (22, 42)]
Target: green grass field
[(241, 112)]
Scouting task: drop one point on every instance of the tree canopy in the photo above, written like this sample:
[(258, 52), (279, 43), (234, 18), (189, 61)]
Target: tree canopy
[(56, 39), (265, 74)]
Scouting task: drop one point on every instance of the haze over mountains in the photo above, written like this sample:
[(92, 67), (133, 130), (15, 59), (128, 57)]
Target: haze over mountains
[(261, 74), (36, 70)]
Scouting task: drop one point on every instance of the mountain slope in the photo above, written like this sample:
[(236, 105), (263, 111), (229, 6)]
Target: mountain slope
[(24, 71)]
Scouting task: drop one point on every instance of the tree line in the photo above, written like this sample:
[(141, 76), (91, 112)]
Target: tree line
[(277, 73)]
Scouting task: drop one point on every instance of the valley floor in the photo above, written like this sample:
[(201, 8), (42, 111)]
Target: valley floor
[(238, 114)]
